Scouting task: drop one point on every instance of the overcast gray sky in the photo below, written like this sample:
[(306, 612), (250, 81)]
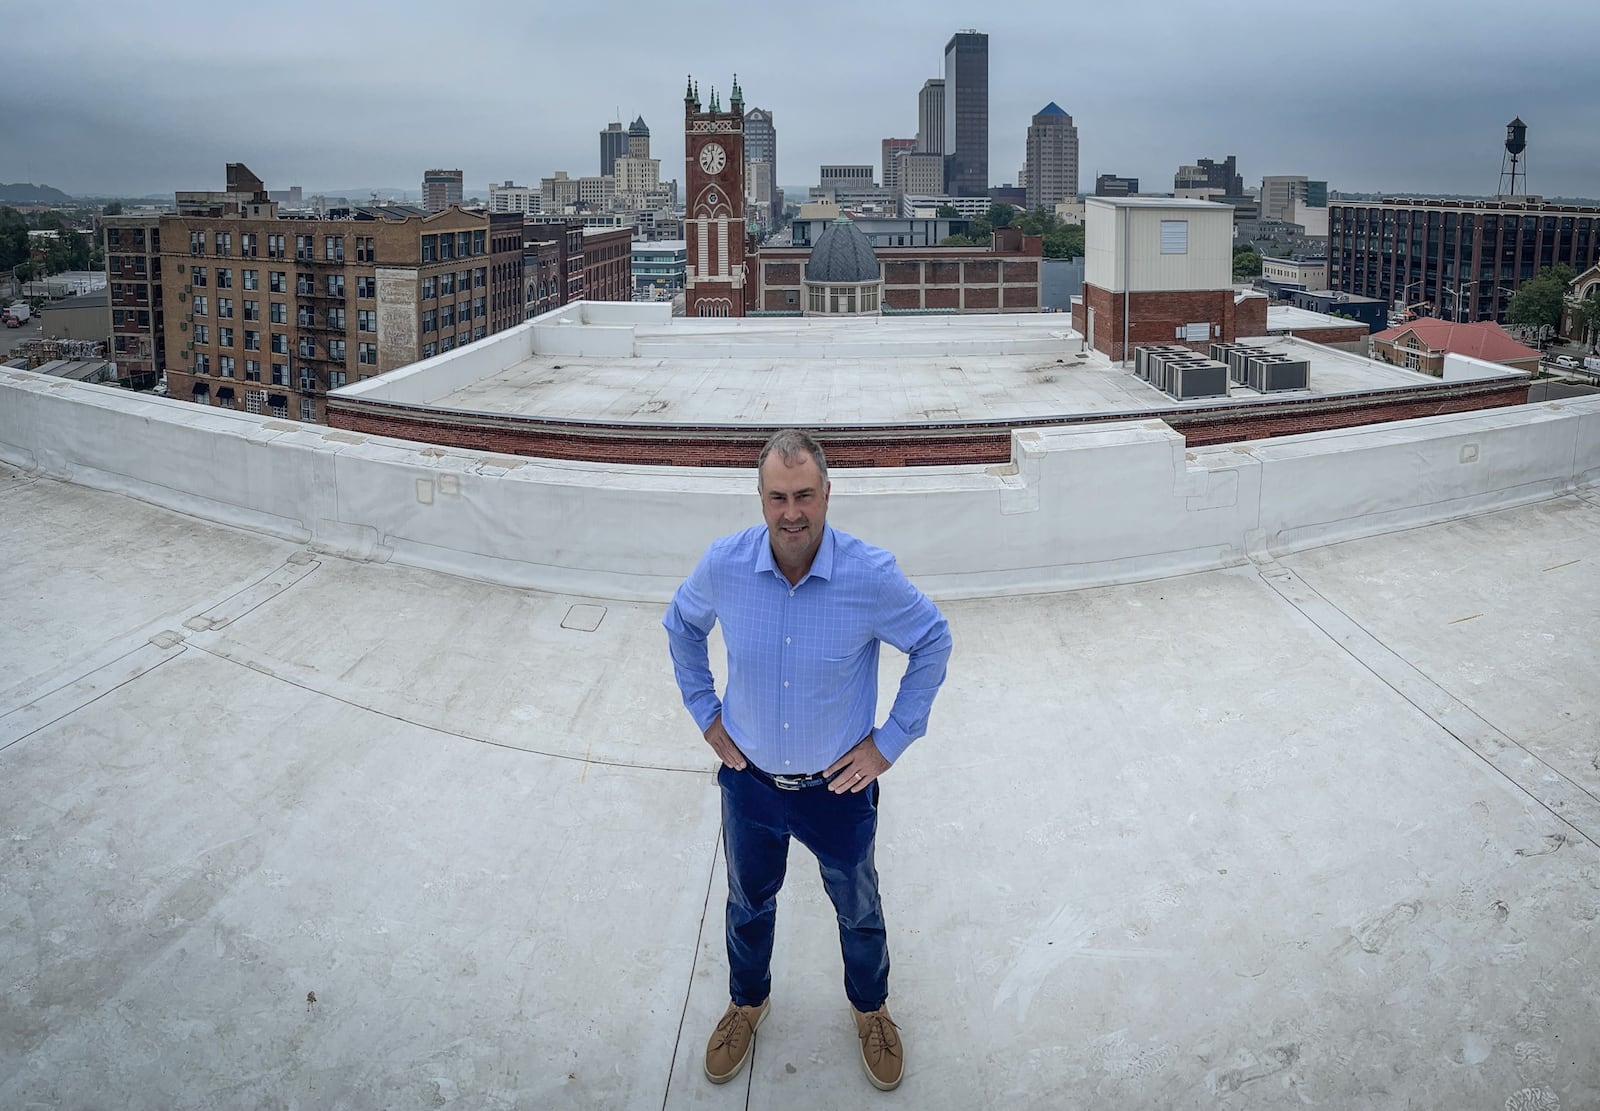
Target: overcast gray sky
[(1371, 95)]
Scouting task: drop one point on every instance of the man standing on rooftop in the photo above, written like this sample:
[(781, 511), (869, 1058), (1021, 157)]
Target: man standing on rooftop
[(804, 608)]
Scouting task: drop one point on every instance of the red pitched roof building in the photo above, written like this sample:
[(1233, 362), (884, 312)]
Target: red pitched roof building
[(1422, 345)]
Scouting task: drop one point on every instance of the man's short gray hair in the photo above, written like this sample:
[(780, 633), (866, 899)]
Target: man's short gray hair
[(792, 445)]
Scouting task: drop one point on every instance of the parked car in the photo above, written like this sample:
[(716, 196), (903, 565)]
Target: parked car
[(1568, 362)]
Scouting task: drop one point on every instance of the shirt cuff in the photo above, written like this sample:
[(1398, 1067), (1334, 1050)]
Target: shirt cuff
[(705, 711), (891, 740)]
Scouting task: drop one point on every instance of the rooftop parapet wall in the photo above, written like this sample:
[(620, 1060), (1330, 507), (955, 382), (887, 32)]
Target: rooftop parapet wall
[(1075, 507)]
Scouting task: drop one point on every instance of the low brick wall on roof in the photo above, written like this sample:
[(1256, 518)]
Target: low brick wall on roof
[(909, 445)]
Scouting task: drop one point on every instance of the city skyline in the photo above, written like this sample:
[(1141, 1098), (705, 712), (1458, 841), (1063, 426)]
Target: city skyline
[(1392, 129)]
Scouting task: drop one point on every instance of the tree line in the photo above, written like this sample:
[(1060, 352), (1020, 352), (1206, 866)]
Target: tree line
[(68, 250), (1061, 239)]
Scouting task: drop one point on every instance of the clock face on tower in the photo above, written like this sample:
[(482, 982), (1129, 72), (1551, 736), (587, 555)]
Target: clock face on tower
[(713, 158)]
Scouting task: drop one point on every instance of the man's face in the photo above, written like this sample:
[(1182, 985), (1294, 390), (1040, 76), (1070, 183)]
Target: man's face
[(794, 501)]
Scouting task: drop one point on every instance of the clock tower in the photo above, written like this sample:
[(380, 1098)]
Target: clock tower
[(713, 220)]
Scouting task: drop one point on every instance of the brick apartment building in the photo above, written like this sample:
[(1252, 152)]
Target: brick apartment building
[(266, 314), (544, 275), (608, 264), (133, 284), (570, 262)]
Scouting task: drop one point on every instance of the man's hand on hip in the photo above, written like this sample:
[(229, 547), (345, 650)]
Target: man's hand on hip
[(856, 768), (722, 744)]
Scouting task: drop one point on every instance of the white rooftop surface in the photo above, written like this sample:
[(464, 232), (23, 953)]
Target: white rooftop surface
[(813, 371), (1292, 316), (1317, 827)]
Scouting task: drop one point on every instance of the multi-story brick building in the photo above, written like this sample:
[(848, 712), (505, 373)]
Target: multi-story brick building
[(133, 277), (267, 314), (1463, 260), (571, 261), (543, 274), (608, 264), (1004, 277)]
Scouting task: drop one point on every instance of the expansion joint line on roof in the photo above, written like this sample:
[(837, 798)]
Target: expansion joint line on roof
[(1568, 801), (228, 652), (45, 709), (688, 987)]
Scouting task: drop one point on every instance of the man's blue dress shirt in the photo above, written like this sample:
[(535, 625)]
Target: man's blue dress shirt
[(802, 684)]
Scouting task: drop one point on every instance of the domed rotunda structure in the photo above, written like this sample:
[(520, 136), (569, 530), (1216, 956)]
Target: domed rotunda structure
[(842, 275)]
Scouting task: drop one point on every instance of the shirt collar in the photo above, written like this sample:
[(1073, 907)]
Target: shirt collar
[(821, 563)]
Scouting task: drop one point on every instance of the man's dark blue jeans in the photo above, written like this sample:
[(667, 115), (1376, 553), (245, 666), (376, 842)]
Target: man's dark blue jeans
[(757, 821)]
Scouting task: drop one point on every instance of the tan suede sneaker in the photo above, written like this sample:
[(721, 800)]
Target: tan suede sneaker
[(730, 1042), (882, 1052)]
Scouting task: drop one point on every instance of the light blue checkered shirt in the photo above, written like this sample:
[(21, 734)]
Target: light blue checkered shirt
[(802, 684)]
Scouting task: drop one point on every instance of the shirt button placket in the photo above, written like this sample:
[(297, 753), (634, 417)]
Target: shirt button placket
[(783, 699)]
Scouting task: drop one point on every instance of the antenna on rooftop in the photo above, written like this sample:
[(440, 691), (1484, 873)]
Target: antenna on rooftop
[(1516, 143)]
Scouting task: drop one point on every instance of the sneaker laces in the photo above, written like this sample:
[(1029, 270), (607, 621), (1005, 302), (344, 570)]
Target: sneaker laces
[(728, 1029), (877, 1036)]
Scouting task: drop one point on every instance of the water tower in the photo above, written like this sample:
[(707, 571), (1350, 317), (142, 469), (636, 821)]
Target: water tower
[(1510, 171)]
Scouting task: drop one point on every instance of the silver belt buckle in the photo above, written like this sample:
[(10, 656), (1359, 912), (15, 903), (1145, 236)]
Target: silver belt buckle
[(790, 782)]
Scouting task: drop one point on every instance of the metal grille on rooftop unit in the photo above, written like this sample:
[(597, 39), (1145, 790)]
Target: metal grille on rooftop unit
[(1262, 370), (1181, 373)]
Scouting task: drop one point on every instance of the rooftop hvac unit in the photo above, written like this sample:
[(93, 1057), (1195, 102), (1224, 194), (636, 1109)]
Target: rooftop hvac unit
[(1239, 359), (1275, 372), (1143, 354), (1193, 380), (1186, 375)]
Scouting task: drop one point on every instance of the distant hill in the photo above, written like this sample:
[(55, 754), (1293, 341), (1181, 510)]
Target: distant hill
[(28, 193)]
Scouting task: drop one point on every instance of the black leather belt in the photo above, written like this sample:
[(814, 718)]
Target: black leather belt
[(787, 782)]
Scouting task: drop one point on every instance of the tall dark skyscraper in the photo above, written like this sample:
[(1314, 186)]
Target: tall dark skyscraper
[(613, 145), (761, 139), (966, 114)]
